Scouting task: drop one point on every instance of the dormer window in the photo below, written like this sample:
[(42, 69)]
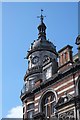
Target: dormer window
[(48, 72), (31, 82)]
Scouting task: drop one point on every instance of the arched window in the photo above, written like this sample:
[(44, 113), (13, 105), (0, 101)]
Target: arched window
[(78, 86), (48, 104)]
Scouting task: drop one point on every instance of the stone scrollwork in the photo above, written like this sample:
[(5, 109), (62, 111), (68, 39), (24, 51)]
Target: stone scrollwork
[(69, 115)]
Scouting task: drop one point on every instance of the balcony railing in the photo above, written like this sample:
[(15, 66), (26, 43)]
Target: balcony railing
[(37, 69), (27, 88)]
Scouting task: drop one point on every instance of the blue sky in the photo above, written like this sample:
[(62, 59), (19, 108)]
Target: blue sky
[(19, 30), (0, 59)]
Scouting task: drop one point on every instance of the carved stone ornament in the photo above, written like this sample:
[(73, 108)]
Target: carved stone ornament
[(69, 115)]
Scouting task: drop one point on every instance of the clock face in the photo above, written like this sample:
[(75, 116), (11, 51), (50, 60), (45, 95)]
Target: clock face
[(35, 59)]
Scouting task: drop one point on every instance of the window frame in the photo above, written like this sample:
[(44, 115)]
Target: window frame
[(47, 106), (30, 110), (48, 72)]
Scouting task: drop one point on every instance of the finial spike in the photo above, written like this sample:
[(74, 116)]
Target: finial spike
[(41, 17), (41, 11)]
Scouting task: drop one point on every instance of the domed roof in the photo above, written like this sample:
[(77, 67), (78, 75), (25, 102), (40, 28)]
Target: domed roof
[(42, 44)]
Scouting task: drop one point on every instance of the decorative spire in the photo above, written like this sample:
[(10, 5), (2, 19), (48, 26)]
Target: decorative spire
[(41, 27), (41, 17)]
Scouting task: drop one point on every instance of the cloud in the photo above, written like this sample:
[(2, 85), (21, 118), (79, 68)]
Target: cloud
[(16, 112)]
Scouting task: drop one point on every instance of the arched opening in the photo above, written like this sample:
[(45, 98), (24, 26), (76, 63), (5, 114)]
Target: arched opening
[(48, 104), (78, 86)]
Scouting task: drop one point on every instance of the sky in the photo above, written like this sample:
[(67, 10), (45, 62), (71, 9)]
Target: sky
[(19, 30), (0, 59)]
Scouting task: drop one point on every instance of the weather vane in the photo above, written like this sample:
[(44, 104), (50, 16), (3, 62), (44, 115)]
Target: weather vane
[(41, 11), (41, 17)]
